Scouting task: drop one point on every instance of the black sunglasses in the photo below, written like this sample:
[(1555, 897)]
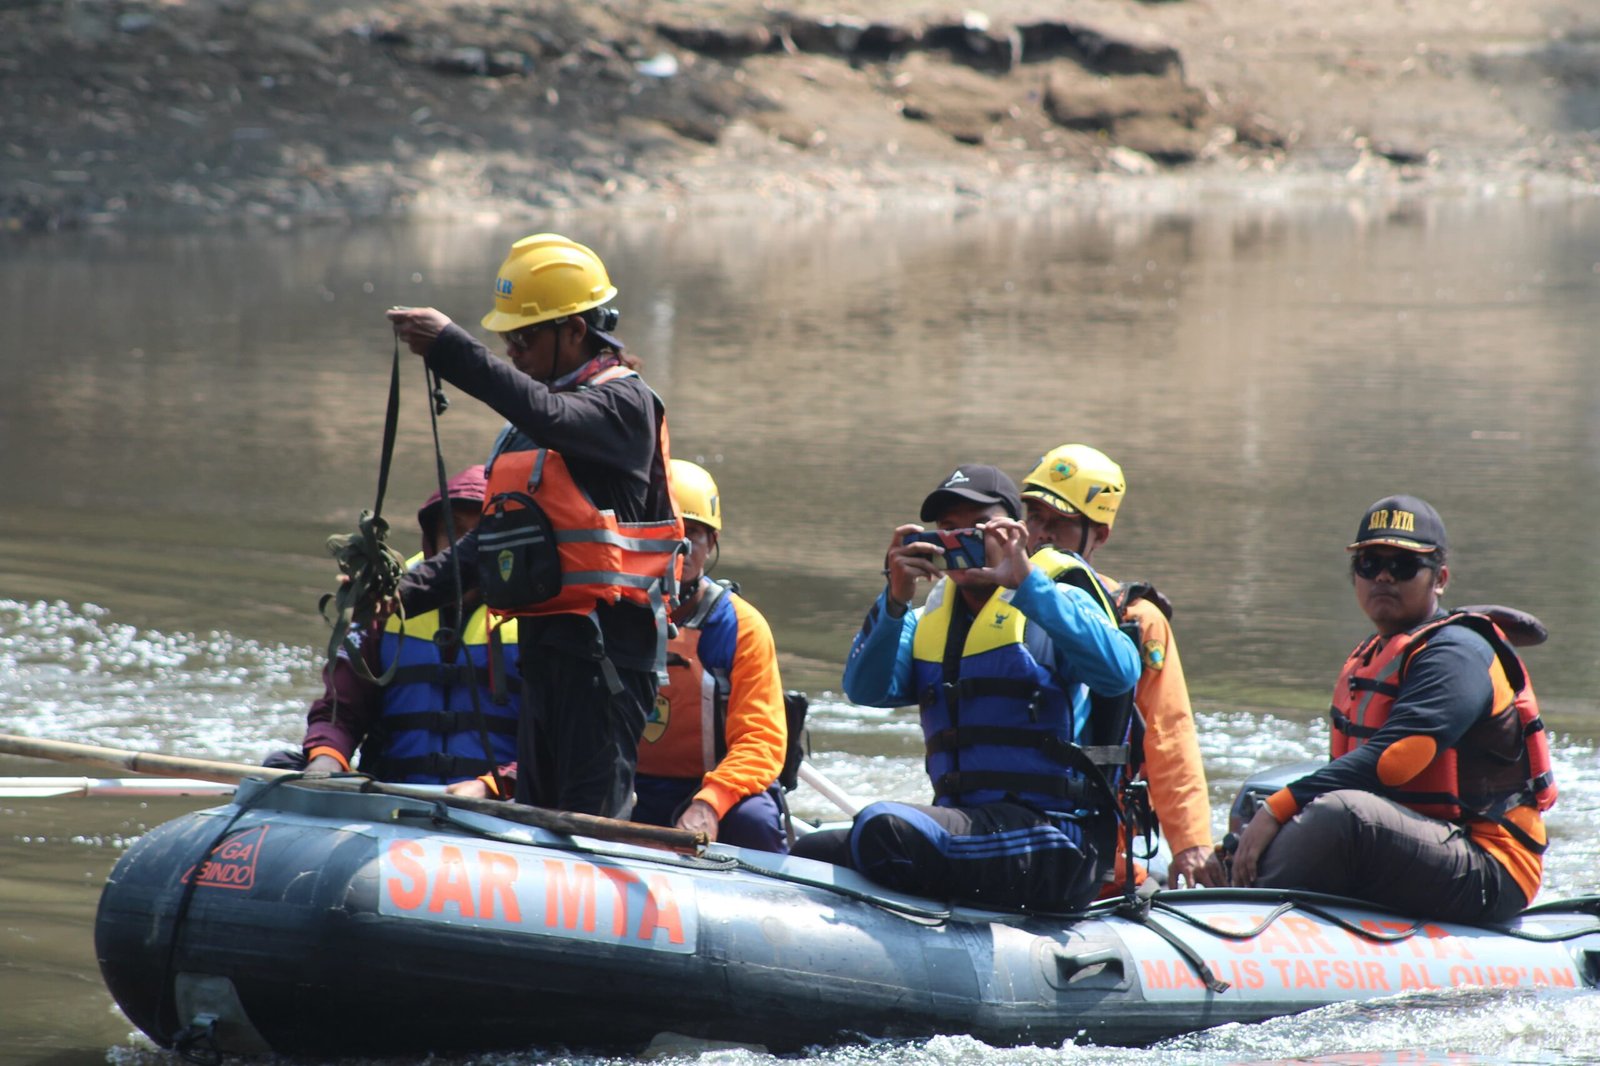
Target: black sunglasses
[(1401, 567)]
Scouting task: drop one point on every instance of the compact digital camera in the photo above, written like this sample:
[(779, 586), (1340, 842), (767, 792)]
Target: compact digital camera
[(963, 548)]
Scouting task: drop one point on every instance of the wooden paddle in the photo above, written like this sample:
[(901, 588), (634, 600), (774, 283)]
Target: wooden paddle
[(144, 762)]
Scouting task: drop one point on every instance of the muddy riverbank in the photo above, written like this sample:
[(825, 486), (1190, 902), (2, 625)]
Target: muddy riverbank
[(122, 112)]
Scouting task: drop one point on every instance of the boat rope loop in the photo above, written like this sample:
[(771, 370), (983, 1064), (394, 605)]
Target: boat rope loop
[(197, 1042), (1136, 909), (199, 1037)]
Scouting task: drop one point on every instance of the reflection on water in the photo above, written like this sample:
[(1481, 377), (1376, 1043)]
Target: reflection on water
[(187, 418)]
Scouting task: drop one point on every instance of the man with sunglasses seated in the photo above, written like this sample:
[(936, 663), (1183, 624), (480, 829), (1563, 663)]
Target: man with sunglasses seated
[(1440, 767)]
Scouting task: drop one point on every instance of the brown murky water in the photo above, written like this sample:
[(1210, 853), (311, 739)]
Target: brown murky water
[(186, 418)]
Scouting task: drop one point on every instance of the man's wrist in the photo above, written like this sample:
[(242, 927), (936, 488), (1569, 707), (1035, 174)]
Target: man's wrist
[(895, 608)]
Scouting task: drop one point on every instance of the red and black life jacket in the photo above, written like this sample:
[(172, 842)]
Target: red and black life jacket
[(1502, 762)]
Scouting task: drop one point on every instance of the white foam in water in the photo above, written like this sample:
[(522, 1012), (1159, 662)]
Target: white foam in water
[(71, 673)]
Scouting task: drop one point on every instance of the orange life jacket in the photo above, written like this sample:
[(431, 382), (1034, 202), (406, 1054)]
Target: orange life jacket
[(544, 548), (1502, 762), (686, 734)]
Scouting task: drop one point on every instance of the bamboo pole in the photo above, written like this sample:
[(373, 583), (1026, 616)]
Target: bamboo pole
[(73, 787), (829, 790), (138, 762), (142, 762)]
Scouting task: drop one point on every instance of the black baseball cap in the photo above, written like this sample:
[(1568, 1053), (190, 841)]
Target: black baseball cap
[(973, 484), (1401, 522)]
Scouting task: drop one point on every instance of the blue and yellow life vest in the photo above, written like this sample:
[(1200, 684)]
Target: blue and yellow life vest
[(428, 733), (998, 721)]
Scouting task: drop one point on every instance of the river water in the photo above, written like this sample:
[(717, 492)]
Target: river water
[(186, 418)]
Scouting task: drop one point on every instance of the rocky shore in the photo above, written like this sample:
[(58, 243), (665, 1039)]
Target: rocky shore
[(159, 112)]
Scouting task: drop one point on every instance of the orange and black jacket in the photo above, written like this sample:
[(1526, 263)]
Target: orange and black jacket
[(1454, 706), (608, 438)]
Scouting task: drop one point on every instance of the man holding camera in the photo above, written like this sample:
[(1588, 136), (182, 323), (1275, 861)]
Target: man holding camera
[(1000, 659)]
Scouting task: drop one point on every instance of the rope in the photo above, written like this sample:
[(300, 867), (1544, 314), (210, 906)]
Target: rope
[(372, 567)]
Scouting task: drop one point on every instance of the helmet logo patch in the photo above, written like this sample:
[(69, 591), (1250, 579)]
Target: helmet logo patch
[(1062, 470), (502, 286)]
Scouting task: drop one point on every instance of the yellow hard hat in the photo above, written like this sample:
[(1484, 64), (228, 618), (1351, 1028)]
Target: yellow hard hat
[(695, 493), (1077, 479), (546, 276)]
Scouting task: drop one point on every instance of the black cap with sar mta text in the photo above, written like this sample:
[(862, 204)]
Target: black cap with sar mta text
[(973, 484), (1401, 522)]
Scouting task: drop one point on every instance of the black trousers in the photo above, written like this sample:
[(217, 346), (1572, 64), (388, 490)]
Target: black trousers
[(578, 743), (1361, 845)]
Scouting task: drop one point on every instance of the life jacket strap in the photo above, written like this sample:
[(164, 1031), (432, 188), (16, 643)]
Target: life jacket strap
[(978, 687), (1050, 744), (1342, 724), (1075, 791), (450, 675), (436, 764), (1367, 684), (449, 723)]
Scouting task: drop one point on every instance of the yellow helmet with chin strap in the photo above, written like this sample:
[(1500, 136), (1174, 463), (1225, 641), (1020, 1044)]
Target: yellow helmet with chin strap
[(546, 276), (1077, 479), (695, 493)]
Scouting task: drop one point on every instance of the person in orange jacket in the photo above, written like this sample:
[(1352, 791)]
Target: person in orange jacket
[(1071, 499), (1431, 802), (714, 745)]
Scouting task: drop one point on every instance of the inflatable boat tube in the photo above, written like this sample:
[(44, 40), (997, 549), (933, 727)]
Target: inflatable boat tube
[(323, 921)]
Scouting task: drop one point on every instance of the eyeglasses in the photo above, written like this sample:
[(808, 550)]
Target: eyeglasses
[(1402, 566), (522, 339)]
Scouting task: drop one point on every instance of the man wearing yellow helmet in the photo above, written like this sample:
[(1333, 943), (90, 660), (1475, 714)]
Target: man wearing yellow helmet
[(1072, 496), (1001, 659), (714, 745), (578, 539)]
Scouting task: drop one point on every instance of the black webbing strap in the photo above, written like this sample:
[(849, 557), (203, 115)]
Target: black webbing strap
[(436, 407), (1138, 910), (451, 675), (436, 764), (1342, 724), (978, 687), (1042, 741), (373, 568), (447, 722), (1075, 790)]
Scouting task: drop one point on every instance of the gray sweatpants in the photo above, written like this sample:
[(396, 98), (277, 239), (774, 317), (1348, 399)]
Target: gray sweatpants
[(1357, 844)]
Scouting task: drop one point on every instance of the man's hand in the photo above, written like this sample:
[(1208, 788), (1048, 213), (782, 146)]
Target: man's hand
[(1192, 865), (381, 608), (1005, 543), (418, 327), (324, 764), (472, 788), (1253, 843), (906, 564), (700, 817)]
